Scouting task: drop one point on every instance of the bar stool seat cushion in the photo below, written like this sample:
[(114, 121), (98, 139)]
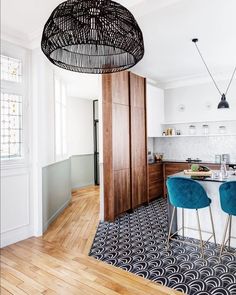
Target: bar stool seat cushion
[(187, 193), (228, 197)]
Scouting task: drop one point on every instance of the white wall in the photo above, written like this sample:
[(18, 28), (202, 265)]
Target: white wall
[(44, 109), (80, 85), (196, 99), (21, 187), (155, 110), (17, 202), (79, 126), (42, 120)]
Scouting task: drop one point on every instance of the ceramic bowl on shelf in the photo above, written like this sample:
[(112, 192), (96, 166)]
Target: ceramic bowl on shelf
[(158, 157), (222, 129), (192, 130)]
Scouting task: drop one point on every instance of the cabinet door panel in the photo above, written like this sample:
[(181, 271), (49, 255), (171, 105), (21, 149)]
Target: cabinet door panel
[(175, 168), (122, 191), (155, 172), (139, 186), (138, 140), (121, 138), (172, 168), (137, 91), (156, 189), (120, 88), (138, 143)]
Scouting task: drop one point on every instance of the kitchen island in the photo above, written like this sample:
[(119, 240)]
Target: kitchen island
[(211, 186)]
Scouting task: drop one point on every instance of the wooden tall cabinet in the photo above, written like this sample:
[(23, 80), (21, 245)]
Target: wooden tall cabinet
[(124, 143), (138, 139)]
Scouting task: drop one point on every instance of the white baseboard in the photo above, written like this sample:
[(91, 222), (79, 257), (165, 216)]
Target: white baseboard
[(16, 235), (54, 216)]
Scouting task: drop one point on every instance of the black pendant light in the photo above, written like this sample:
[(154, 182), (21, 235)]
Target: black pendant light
[(223, 103), (92, 36)]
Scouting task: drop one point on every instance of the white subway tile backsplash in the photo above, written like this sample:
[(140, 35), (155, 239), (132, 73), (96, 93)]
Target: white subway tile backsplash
[(204, 148), (151, 144)]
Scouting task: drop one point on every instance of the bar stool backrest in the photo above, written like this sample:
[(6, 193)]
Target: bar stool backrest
[(187, 193), (228, 197)]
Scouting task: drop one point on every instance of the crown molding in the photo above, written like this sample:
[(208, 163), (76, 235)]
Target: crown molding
[(30, 41), (15, 37), (194, 80)]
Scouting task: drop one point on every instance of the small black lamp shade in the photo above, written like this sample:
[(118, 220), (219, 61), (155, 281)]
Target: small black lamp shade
[(92, 36), (223, 103)]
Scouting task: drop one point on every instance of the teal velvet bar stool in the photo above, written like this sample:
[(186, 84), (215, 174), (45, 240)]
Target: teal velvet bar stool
[(186, 193), (228, 205)]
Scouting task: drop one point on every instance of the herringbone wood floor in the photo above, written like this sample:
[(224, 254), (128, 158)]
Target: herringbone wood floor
[(58, 263)]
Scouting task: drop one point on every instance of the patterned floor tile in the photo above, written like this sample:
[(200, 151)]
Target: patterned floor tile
[(137, 243)]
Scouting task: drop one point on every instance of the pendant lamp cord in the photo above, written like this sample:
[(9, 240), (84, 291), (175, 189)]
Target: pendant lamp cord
[(231, 80)]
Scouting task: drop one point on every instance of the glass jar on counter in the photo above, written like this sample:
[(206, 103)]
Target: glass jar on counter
[(205, 129), (192, 130), (222, 129), (218, 159)]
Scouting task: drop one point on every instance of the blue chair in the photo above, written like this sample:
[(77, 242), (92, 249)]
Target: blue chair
[(228, 205), (186, 193)]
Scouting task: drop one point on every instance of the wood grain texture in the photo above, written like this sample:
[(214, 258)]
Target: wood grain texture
[(116, 142), (172, 168), (120, 88), (120, 138), (122, 191), (155, 172), (109, 203), (139, 186), (137, 91), (58, 262), (139, 175)]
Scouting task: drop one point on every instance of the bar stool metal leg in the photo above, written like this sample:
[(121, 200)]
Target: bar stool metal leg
[(212, 225), (225, 232), (230, 227), (183, 222), (200, 233), (171, 223)]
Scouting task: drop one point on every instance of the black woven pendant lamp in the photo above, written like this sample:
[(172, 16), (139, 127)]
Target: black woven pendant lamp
[(93, 36), (223, 104)]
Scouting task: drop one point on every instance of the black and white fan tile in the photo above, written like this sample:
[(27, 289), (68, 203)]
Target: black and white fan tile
[(137, 243)]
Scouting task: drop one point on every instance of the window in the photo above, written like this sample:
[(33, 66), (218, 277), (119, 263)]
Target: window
[(11, 126), (11, 108), (60, 119), (11, 69)]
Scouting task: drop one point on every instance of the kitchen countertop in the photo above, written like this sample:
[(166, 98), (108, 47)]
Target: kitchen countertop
[(184, 161), (232, 177)]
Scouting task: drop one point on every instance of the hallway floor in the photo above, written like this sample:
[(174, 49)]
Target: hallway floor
[(58, 263)]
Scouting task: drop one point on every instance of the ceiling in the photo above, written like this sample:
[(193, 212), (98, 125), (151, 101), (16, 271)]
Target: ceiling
[(29, 16), (168, 27), (170, 54)]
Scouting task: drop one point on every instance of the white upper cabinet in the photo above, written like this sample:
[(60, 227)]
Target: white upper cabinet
[(155, 110)]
